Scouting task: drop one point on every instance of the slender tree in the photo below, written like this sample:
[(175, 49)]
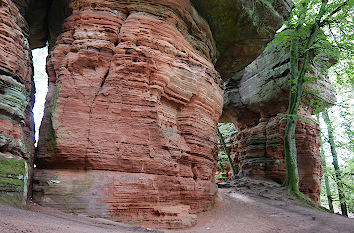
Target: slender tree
[(227, 152), (325, 174), (339, 181)]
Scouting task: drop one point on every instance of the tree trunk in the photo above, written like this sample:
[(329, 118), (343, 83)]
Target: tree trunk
[(328, 190), (227, 152), (324, 165), (341, 195), (292, 176), (296, 91)]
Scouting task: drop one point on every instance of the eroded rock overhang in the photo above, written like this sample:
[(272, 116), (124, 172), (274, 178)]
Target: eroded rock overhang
[(240, 29)]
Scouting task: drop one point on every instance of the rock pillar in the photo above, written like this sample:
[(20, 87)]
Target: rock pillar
[(130, 119)]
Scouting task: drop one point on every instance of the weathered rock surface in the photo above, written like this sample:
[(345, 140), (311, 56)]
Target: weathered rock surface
[(129, 127), (46, 19), (134, 99), (253, 99), (16, 101)]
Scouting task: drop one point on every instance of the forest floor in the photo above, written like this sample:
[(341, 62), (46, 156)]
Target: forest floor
[(243, 205)]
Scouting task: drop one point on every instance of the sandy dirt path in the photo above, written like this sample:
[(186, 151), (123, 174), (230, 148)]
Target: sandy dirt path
[(240, 213), (236, 211), (47, 220)]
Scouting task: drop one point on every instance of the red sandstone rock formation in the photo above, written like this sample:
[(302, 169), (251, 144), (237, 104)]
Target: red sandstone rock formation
[(16, 101), (133, 102), (132, 108), (131, 111)]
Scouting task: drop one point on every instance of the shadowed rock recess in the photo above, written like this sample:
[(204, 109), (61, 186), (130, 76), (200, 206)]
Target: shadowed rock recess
[(135, 94)]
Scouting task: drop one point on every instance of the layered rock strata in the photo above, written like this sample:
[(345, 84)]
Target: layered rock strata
[(16, 101), (262, 89), (131, 113), (256, 101)]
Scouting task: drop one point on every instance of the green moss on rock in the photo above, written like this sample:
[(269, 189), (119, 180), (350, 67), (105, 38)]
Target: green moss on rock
[(12, 175), (51, 135)]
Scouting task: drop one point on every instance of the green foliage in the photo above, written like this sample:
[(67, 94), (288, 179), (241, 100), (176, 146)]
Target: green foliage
[(333, 44), (347, 181), (307, 33), (12, 173), (222, 160), (227, 130), (336, 34), (221, 176), (344, 141)]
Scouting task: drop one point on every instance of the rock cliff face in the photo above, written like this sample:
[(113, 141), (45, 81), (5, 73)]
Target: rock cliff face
[(262, 89), (16, 101), (129, 127), (131, 114), (253, 99)]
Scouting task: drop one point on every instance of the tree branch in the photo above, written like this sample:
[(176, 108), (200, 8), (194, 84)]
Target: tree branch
[(327, 19)]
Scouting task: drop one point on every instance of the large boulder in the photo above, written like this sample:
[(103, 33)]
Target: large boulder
[(242, 29), (262, 89), (259, 152)]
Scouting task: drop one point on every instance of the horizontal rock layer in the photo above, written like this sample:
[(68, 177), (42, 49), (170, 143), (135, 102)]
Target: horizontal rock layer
[(133, 103), (136, 198), (16, 101)]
